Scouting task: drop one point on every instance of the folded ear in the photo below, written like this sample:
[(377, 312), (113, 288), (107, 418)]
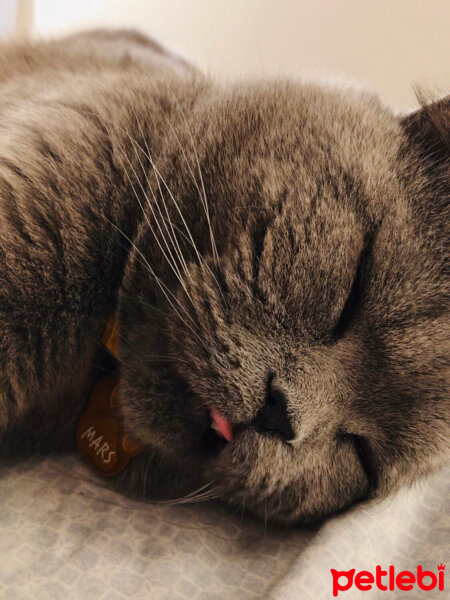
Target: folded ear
[(428, 128)]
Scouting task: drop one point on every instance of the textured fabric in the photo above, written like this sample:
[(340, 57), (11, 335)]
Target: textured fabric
[(64, 536)]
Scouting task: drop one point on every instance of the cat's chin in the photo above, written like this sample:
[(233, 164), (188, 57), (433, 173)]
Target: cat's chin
[(175, 464)]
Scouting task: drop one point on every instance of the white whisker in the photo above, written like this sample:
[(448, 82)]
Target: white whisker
[(158, 176), (205, 205), (172, 237), (143, 211), (199, 256), (202, 494), (173, 265), (165, 290)]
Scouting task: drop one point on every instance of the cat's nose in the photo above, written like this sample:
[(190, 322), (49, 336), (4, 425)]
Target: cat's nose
[(272, 417)]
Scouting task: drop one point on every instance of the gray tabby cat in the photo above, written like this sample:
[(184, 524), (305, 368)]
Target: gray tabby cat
[(277, 255)]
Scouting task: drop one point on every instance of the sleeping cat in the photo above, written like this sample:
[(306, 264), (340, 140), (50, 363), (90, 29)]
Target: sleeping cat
[(276, 255)]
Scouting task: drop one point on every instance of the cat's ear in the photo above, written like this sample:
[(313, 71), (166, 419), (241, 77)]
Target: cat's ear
[(428, 128)]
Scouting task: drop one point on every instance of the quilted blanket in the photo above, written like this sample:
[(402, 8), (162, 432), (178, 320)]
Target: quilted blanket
[(65, 536)]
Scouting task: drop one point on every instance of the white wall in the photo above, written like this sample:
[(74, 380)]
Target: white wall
[(389, 44), (8, 16)]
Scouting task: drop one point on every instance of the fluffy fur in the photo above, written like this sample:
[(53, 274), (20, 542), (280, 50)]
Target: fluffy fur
[(269, 244)]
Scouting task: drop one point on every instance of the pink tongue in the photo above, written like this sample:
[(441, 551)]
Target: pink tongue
[(222, 424)]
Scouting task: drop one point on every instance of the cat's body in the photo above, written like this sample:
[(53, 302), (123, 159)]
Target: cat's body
[(48, 99), (275, 251)]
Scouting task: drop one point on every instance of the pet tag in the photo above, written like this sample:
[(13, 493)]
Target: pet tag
[(100, 435)]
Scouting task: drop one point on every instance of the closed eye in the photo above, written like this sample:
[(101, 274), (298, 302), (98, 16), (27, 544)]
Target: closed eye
[(365, 456), (353, 301)]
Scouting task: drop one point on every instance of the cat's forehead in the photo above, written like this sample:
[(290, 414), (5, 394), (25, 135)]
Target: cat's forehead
[(304, 175), (289, 112), (295, 139)]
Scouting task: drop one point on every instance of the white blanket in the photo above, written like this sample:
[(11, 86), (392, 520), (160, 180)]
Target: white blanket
[(63, 536)]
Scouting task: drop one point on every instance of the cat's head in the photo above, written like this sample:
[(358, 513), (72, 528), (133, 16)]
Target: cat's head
[(290, 286)]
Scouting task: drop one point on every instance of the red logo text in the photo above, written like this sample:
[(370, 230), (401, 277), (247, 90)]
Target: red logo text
[(388, 580)]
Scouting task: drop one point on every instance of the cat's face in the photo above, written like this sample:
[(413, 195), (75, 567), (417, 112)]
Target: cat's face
[(314, 323)]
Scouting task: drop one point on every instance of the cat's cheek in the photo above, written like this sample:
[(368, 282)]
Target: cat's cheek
[(161, 420), (280, 482), (170, 437)]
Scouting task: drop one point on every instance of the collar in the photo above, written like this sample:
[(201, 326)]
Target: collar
[(100, 435)]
